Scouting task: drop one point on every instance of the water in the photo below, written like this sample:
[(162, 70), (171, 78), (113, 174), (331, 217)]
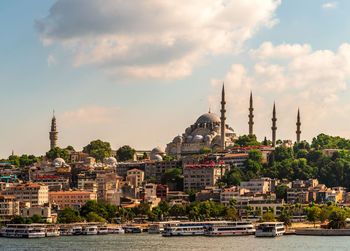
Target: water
[(146, 241)]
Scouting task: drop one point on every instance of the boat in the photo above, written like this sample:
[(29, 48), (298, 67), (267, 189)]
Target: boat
[(102, 229), (115, 230), (155, 228), (52, 231), (24, 231), (77, 230), (229, 228), (131, 229), (184, 229), (270, 229), (90, 230), (65, 230)]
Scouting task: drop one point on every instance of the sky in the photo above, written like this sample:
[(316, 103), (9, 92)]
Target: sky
[(140, 72)]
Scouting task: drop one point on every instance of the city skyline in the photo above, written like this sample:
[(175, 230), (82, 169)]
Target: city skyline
[(100, 92)]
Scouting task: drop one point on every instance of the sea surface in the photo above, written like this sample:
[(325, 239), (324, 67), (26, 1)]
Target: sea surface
[(146, 241)]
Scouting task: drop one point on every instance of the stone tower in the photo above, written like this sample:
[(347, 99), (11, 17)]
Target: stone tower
[(223, 118), (298, 127), (274, 127), (53, 133), (251, 115)]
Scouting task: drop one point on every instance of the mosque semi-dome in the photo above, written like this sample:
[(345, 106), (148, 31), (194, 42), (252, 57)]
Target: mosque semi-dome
[(110, 160), (156, 157), (157, 150), (58, 162), (208, 118)]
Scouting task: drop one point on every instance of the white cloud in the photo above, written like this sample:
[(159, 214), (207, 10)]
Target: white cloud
[(330, 5), (152, 38), (311, 80)]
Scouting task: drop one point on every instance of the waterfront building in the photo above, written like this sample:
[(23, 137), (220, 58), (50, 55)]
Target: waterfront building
[(105, 182), (198, 177), (155, 169), (35, 194), (73, 199), (260, 185), (43, 211), (9, 207)]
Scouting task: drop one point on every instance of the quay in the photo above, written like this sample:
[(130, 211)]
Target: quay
[(322, 232)]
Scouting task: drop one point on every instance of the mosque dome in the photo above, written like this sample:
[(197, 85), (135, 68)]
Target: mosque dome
[(110, 160), (158, 150), (58, 162), (189, 138), (156, 157), (207, 138), (208, 118), (198, 138)]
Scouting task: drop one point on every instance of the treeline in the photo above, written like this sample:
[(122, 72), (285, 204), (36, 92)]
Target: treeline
[(303, 161)]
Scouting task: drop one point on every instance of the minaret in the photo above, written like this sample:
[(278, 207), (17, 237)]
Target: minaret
[(274, 127), (251, 116), (223, 118), (53, 133), (298, 127)]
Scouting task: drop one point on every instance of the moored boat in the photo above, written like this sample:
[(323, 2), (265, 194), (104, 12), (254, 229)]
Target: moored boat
[(270, 229), (103, 229), (184, 229), (115, 230), (23, 231), (90, 230), (77, 230), (132, 229), (229, 228), (52, 231)]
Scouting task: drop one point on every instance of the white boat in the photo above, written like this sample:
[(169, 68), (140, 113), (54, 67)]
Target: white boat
[(102, 229), (52, 231), (115, 230), (229, 228), (270, 229), (24, 231), (155, 228), (65, 230), (184, 229), (77, 230), (90, 230)]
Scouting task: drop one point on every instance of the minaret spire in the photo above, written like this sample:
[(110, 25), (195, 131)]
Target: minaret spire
[(274, 127), (223, 117), (251, 115), (53, 133), (298, 132)]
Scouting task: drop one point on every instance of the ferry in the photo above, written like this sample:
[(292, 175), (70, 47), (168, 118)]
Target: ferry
[(102, 229), (270, 229), (130, 229), (90, 230), (77, 230), (227, 228), (65, 230), (24, 231), (158, 228), (115, 230), (52, 231), (184, 229)]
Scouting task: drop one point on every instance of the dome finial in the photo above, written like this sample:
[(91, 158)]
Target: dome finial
[(209, 110)]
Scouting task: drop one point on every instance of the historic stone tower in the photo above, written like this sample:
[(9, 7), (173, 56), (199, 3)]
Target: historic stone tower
[(274, 127), (251, 115), (298, 127), (223, 118), (53, 133)]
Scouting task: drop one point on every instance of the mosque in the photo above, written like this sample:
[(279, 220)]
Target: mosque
[(209, 131)]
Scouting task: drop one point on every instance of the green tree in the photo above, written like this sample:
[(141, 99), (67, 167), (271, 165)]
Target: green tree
[(247, 140), (98, 149), (71, 148), (313, 214), (204, 150), (57, 152), (231, 213), (37, 219), (286, 217), (69, 215), (268, 216), (281, 192), (337, 219), (125, 153), (18, 220), (164, 207), (94, 217), (173, 176)]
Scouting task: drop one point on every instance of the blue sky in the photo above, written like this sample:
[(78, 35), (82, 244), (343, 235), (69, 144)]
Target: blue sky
[(139, 75)]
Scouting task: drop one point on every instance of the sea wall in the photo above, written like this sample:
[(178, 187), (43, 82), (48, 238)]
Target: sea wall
[(323, 232)]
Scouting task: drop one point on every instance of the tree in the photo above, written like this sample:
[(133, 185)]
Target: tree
[(125, 153), (18, 220), (173, 176), (57, 152), (177, 210), (247, 140), (281, 192), (337, 219), (204, 150), (268, 216), (164, 207), (71, 148), (231, 213), (94, 217), (89, 206), (248, 210), (37, 219), (233, 202), (313, 214), (69, 215), (286, 217), (98, 149)]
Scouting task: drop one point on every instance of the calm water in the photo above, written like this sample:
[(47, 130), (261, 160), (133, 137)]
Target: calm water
[(146, 241)]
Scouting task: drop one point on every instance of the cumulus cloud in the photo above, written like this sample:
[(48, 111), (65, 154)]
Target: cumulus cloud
[(152, 38), (330, 5), (311, 80)]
